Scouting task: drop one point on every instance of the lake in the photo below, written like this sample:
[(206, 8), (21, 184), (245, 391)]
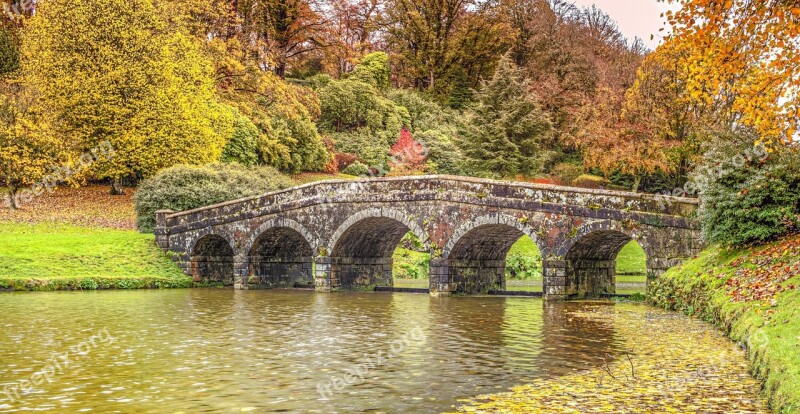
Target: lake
[(226, 351)]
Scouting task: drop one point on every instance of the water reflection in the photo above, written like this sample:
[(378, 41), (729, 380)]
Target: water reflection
[(224, 350)]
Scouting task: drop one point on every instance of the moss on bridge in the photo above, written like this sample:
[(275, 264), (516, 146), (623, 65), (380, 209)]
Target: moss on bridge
[(751, 294)]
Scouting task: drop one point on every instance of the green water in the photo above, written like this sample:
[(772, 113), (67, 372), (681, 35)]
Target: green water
[(225, 351)]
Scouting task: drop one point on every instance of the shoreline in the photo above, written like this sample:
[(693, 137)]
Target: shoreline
[(749, 294)]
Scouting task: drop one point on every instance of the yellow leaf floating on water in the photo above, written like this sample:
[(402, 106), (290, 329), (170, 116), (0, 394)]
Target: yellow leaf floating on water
[(676, 365)]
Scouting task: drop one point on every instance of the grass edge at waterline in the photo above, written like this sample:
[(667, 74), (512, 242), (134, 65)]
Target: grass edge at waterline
[(751, 294), (54, 256)]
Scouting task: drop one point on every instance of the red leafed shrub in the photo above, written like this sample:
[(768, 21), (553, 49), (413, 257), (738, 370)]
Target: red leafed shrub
[(344, 159), (340, 160), (546, 180), (407, 152), (332, 167)]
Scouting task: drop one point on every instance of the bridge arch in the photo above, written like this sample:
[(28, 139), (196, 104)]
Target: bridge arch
[(212, 258), (508, 222), (383, 218), (607, 226), (280, 254), (476, 252), (281, 223), (361, 248), (590, 257)]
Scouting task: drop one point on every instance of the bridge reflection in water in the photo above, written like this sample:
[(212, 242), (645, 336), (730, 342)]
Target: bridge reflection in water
[(218, 350)]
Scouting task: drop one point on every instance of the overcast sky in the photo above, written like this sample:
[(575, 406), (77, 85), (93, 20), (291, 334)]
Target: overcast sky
[(635, 17)]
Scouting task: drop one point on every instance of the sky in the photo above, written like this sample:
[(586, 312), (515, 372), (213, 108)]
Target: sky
[(635, 17)]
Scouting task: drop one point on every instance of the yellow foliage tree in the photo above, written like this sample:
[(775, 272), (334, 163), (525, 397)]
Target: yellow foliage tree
[(746, 51), (30, 155), (114, 70)]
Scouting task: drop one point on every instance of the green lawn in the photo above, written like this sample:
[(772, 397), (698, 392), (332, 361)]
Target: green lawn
[(50, 256), (631, 261)]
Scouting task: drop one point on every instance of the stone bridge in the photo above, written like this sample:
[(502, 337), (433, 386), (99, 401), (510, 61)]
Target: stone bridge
[(340, 235)]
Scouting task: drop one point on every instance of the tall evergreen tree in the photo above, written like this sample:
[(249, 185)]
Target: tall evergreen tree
[(506, 126)]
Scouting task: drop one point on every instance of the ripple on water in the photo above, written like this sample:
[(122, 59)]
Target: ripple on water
[(238, 351)]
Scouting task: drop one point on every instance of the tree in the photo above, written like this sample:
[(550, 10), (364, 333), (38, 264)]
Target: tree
[(745, 50), (430, 39), (285, 114), (352, 30), (30, 154), (408, 155), (506, 126), (746, 196), (125, 78), (374, 70), (627, 143), (284, 30)]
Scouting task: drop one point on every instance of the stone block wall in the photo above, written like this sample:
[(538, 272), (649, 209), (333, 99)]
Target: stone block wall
[(590, 278), (355, 273), (555, 284), (273, 272), (440, 277), (476, 276)]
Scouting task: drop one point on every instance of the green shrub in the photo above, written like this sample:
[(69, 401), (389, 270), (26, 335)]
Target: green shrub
[(410, 264), (186, 187), (524, 260), (357, 168), (244, 145), (746, 198), (374, 70), (566, 172), (318, 81), (352, 105), (444, 156), (523, 266), (590, 181), (369, 149), (9, 53), (656, 182), (424, 114)]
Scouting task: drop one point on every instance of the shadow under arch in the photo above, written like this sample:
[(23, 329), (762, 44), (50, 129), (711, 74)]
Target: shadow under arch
[(362, 248), (476, 252), (280, 255), (591, 259), (212, 260)]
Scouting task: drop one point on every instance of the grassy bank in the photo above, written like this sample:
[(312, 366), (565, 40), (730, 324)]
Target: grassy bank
[(51, 256), (752, 294)]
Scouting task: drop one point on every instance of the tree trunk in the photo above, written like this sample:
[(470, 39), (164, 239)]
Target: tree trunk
[(280, 70), (637, 179), (11, 199), (116, 187)]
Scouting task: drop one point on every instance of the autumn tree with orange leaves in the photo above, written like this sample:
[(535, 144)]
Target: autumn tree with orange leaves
[(746, 51)]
